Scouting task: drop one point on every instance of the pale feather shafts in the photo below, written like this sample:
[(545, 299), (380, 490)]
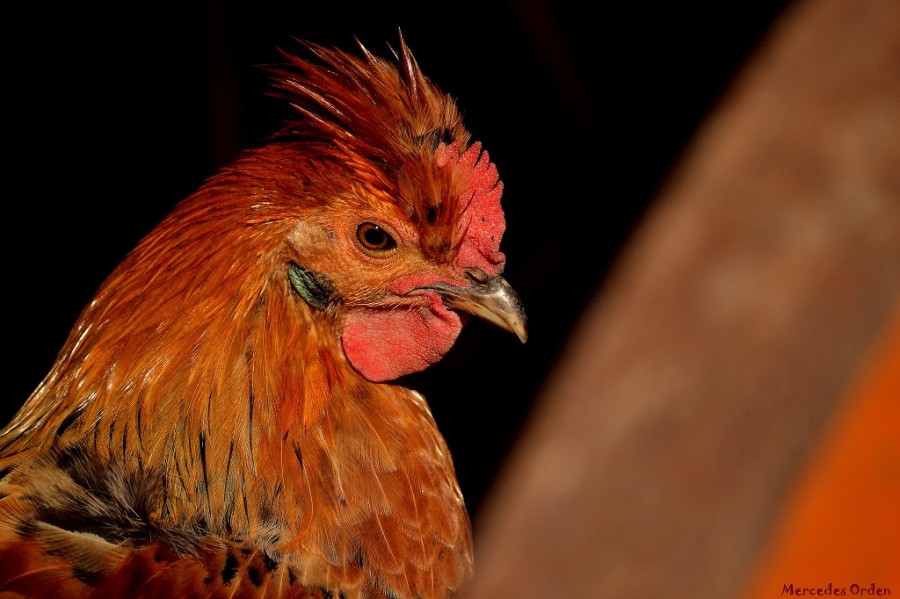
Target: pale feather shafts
[(196, 366), (283, 460)]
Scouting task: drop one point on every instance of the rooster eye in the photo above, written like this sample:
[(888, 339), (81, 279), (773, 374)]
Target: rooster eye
[(373, 237)]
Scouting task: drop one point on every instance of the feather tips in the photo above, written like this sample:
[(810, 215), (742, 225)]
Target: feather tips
[(202, 428), (384, 122)]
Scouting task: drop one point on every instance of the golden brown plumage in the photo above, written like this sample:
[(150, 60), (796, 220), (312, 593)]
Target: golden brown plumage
[(221, 420)]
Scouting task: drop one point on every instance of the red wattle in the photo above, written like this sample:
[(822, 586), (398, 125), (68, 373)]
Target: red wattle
[(383, 345)]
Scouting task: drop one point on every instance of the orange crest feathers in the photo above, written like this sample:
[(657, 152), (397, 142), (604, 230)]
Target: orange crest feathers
[(401, 135)]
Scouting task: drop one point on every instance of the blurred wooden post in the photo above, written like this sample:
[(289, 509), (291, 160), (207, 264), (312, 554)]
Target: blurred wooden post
[(700, 384)]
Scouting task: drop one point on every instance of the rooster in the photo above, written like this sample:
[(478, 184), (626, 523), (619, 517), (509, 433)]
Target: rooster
[(224, 419)]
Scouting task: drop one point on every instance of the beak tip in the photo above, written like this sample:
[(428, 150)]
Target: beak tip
[(522, 334)]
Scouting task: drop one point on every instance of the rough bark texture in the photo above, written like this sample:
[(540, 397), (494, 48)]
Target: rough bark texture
[(710, 365)]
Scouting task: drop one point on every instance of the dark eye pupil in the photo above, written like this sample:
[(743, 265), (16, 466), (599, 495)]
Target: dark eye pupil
[(374, 237)]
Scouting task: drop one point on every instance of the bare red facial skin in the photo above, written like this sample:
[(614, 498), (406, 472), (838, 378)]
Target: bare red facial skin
[(385, 344)]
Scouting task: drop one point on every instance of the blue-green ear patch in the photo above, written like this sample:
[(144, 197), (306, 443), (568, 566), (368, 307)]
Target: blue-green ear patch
[(315, 289)]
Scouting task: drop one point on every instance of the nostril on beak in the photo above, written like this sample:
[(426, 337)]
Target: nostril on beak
[(477, 276)]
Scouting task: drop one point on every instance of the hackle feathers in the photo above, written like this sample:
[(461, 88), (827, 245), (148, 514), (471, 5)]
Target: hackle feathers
[(201, 425)]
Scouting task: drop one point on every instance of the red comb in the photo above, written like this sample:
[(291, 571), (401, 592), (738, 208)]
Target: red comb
[(479, 212)]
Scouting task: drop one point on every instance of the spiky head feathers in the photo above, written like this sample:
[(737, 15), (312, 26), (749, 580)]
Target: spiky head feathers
[(388, 127)]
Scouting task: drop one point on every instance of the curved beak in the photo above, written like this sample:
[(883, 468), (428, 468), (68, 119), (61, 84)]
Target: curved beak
[(489, 298)]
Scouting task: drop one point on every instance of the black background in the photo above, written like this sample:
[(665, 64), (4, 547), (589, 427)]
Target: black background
[(112, 115)]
